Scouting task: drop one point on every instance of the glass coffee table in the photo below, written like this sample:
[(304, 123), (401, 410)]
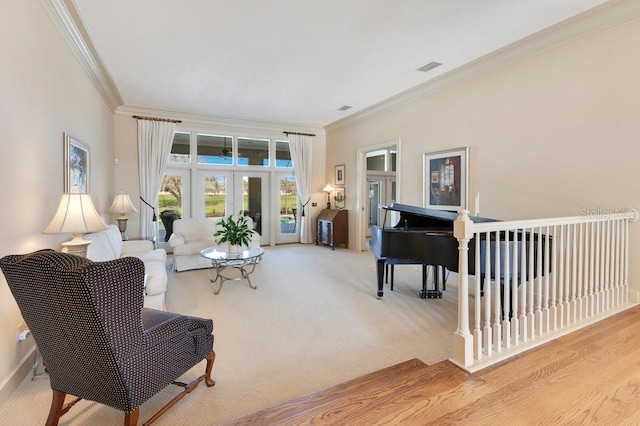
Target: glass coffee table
[(224, 262)]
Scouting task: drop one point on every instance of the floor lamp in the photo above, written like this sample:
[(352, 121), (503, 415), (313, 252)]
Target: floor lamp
[(77, 216)]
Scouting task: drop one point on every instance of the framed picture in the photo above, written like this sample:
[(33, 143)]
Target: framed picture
[(77, 165), (339, 174), (446, 179)]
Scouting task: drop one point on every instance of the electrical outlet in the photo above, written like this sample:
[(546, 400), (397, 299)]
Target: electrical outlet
[(314, 204), (22, 332)]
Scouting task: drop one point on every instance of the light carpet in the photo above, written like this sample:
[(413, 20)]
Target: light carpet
[(313, 322)]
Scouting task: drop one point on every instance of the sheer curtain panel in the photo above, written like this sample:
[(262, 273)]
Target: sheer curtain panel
[(300, 147), (154, 145)]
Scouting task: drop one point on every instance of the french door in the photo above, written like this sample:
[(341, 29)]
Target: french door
[(222, 193), (382, 191), (287, 208)]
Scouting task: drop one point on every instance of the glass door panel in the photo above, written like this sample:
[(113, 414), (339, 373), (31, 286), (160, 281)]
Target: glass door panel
[(374, 201), (213, 197), (251, 197), (173, 202), (288, 203)]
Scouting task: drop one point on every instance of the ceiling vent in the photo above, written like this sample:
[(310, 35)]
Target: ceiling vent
[(344, 107), (429, 66)]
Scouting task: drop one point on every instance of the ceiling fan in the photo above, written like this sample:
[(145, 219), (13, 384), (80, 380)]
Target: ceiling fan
[(225, 152)]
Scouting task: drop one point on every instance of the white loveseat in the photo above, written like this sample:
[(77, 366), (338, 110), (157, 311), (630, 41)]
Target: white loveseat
[(190, 236), (108, 245)]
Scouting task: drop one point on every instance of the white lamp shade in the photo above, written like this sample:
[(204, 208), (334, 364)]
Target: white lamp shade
[(76, 215), (122, 204), (328, 188)]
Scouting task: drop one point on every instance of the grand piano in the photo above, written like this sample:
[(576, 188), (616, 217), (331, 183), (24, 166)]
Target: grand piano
[(421, 236), (425, 236)]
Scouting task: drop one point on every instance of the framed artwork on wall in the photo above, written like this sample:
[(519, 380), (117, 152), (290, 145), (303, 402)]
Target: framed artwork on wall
[(77, 165), (339, 178), (446, 179)]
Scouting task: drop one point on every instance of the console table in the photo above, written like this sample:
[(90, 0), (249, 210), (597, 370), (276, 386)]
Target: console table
[(333, 228)]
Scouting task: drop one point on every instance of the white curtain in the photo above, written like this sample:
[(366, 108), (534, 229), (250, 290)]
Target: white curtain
[(300, 147), (154, 145)]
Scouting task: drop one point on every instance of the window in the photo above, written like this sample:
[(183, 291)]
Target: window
[(383, 160), (253, 152), (180, 148), (283, 154), (214, 149)]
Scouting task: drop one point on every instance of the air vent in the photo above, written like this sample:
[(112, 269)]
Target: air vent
[(344, 107), (429, 66)]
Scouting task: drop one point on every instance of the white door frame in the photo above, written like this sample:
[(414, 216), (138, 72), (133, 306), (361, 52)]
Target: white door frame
[(362, 189)]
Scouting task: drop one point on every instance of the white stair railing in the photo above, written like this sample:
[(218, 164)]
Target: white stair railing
[(534, 280)]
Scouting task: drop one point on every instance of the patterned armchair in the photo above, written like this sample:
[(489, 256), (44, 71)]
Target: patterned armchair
[(97, 341)]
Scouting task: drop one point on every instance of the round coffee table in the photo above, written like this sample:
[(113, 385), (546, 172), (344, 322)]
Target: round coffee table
[(243, 261)]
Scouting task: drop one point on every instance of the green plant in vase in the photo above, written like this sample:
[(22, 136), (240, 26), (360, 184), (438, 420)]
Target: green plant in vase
[(234, 232)]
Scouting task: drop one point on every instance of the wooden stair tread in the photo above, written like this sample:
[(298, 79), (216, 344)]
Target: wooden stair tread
[(546, 385), (370, 387)]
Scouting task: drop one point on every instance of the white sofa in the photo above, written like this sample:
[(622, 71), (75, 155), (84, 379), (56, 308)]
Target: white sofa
[(190, 236), (108, 245)]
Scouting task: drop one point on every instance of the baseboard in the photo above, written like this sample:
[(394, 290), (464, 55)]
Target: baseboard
[(17, 376)]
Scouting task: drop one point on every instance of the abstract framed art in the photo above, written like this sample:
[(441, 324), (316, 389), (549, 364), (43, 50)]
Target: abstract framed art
[(446, 179), (339, 177), (77, 165)]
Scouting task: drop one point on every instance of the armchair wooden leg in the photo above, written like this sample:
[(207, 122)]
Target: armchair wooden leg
[(211, 357), (55, 412), (131, 419)]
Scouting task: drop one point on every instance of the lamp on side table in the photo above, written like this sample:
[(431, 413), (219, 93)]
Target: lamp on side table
[(328, 189), (122, 204), (76, 215)]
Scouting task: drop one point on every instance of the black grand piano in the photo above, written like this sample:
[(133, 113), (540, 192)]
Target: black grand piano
[(421, 236), (425, 236)]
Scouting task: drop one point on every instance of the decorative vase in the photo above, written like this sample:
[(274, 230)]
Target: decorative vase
[(233, 248)]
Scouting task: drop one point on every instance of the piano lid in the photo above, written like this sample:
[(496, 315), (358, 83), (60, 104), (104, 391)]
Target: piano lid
[(444, 215)]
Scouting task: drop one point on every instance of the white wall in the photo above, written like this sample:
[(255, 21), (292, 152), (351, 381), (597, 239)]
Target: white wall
[(549, 136), (43, 93)]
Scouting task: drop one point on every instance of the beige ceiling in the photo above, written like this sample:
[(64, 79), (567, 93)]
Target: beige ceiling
[(297, 61)]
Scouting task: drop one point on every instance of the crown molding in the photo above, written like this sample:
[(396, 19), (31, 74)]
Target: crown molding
[(593, 21), (231, 123), (67, 20)]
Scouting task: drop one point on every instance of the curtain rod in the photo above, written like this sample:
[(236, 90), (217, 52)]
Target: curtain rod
[(296, 133), (155, 119)]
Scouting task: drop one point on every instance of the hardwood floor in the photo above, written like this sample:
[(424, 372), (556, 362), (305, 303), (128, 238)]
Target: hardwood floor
[(591, 376)]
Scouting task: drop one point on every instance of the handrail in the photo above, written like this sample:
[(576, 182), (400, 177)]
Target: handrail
[(534, 289)]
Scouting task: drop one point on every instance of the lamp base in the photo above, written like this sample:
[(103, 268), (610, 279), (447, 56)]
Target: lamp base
[(122, 227), (77, 246)]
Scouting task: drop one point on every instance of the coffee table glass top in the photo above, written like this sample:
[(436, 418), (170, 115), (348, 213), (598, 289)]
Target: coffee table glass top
[(222, 254)]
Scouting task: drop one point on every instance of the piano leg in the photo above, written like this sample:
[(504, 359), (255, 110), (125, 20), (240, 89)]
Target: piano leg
[(380, 266), (423, 293), (435, 293), (392, 274)]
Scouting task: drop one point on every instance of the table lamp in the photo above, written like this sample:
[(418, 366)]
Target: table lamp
[(328, 189), (122, 204), (76, 215)]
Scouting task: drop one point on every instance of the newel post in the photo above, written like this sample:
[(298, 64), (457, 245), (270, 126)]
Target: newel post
[(462, 338)]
